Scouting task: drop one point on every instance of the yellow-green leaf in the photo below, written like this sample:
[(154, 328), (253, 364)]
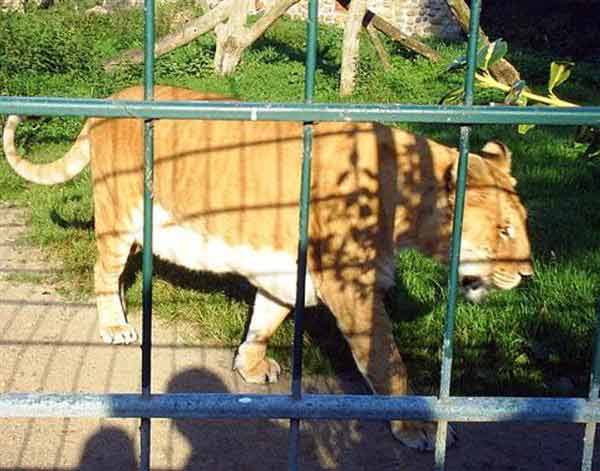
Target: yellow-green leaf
[(559, 72), (453, 97), (524, 128)]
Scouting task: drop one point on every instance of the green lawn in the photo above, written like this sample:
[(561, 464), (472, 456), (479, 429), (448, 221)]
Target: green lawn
[(532, 340)]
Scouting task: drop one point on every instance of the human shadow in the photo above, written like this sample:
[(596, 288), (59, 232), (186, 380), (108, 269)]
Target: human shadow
[(251, 444), (257, 445), (261, 444), (226, 444), (110, 448)]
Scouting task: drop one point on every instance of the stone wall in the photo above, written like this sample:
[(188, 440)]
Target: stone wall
[(19, 5), (11, 5), (412, 17)]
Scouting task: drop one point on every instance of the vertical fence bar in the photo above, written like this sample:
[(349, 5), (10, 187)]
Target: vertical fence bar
[(309, 91), (147, 268), (465, 132), (590, 428)]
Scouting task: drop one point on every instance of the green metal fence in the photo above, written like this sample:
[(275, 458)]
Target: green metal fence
[(297, 405)]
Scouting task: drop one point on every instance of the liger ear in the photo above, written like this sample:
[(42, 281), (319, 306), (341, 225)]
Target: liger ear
[(497, 153), (479, 173)]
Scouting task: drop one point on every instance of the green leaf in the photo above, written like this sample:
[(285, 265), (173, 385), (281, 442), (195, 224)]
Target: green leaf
[(591, 137), (592, 152), (486, 56), (522, 99), (453, 97), (559, 72), (522, 360), (515, 95), (586, 134), (492, 53)]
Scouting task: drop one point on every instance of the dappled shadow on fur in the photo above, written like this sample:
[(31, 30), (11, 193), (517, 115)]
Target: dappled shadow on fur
[(319, 324), (357, 265), (354, 227), (374, 190)]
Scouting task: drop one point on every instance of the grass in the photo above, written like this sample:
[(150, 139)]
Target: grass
[(527, 341)]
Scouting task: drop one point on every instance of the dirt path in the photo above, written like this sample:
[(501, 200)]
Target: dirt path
[(50, 345)]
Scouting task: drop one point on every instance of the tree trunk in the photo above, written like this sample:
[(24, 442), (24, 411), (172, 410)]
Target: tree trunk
[(394, 33), (228, 52), (242, 38), (350, 48), (503, 71)]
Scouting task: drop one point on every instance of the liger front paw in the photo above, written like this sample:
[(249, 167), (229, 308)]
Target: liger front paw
[(419, 435), (264, 371), (118, 334)]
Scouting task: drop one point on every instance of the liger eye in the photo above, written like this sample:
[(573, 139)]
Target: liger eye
[(507, 232)]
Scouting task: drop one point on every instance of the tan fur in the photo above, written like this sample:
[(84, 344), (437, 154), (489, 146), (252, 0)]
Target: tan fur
[(374, 190)]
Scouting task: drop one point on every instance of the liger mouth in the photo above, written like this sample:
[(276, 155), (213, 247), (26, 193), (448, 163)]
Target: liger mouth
[(474, 288)]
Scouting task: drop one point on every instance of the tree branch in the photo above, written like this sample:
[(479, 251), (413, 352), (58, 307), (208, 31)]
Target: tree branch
[(394, 33), (190, 31), (265, 21), (378, 45)]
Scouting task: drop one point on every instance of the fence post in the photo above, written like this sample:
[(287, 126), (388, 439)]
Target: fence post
[(590, 427), (461, 181), (147, 268), (309, 91)]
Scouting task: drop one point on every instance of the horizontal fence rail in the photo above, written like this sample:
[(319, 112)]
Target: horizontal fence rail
[(308, 407), (223, 110)]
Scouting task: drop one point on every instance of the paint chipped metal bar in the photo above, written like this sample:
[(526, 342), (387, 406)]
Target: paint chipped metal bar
[(261, 111), (147, 268), (309, 407), (590, 427), (461, 183), (310, 66)]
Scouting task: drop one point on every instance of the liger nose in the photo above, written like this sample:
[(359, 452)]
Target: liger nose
[(526, 277), (526, 270)]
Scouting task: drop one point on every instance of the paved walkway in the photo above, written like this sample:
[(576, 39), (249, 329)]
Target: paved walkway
[(50, 345)]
